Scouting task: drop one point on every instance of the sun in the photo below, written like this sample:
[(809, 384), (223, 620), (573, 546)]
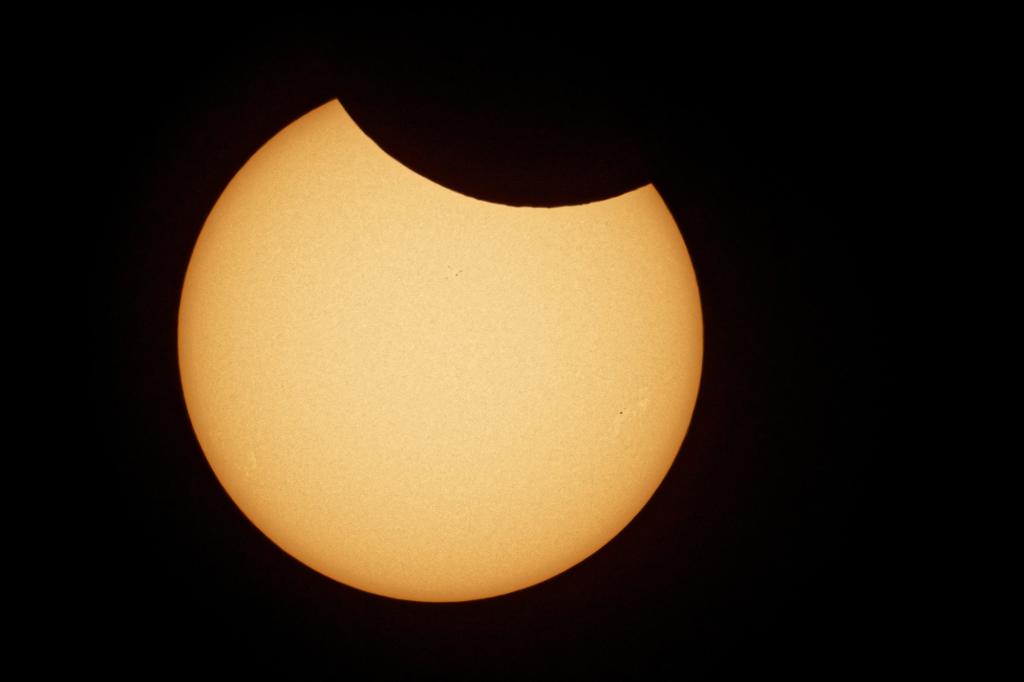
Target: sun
[(423, 395)]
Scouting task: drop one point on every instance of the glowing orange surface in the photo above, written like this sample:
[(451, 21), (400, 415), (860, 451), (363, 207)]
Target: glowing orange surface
[(427, 396)]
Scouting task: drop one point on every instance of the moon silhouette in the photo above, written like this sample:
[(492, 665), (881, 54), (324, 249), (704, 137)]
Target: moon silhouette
[(427, 396)]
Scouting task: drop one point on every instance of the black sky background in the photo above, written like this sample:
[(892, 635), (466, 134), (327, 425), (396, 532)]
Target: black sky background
[(762, 550)]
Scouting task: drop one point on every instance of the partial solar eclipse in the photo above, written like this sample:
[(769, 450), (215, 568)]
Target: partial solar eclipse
[(427, 396)]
